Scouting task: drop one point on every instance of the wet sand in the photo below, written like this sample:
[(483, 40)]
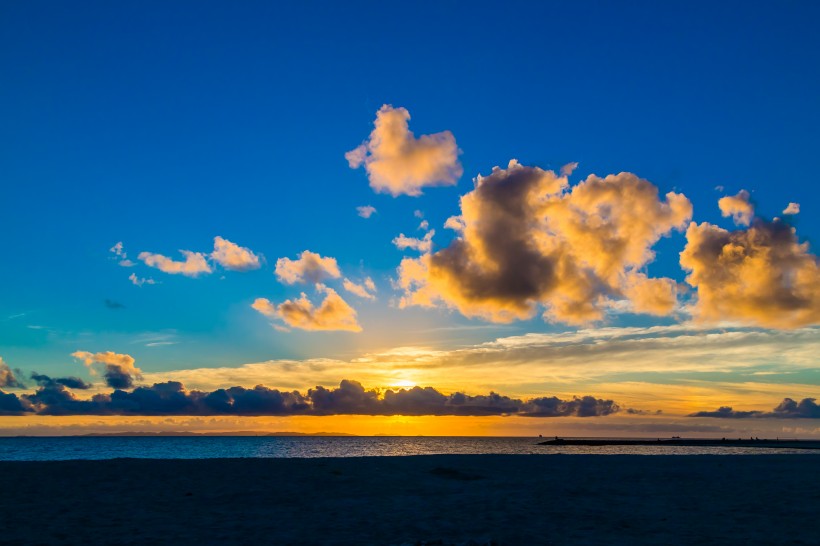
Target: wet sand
[(447, 499)]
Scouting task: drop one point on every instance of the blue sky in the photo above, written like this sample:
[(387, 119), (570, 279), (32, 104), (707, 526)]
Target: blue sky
[(163, 125)]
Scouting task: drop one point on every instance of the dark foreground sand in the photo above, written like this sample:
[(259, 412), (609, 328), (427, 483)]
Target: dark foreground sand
[(455, 499)]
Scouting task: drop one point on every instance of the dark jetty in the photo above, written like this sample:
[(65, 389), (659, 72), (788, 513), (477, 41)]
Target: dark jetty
[(686, 442)]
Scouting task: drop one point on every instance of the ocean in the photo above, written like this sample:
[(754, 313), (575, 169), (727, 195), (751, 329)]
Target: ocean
[(218, 447)]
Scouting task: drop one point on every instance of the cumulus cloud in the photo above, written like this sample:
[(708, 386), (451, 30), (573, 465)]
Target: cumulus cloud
[(738, 207), (399, 163), (333, 313), (761, 275), (118, 369), (423, 245), (424, 225), (309, 267), (139, 281), (234, 257), (807, 408), (350, 398), (528, 239), (119, 254), (367, 289), (792, 208), (366, 211), (195, 263), (8, 378)]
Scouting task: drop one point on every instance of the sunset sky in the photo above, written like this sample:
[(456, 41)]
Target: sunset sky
[(563, 218)]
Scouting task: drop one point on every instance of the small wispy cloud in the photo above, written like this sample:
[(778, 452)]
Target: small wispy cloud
[(792, 208), (138, 281), (366, 211), (119, 254)]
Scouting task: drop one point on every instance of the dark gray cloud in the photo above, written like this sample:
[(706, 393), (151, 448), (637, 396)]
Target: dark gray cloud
[(11, 404), (71, 382), (587, 406), (350, 398), (8, 378), (118, 378), (787, 409)]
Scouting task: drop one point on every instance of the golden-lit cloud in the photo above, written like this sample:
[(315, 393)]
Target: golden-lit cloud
[(309, 267), (423, 245), (367, 288), (792, 208), (118, 370), (762, 275), (399, 163), (738, 207), (366, 211), (674, 368), (8, 378), (234, 257), (528, 239), (333, 313), (195, 263)]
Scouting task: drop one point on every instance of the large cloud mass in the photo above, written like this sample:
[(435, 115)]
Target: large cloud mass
[(334, 313), (760, 276), (527, 239), (350, 398), (399, 163)]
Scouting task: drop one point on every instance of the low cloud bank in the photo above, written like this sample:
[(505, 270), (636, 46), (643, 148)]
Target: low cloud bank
[(54, 397), (787, 409)]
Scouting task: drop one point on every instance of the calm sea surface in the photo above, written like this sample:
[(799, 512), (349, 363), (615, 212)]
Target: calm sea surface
[(51, 449)]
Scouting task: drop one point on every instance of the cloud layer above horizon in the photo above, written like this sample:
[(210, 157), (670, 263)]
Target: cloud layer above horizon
[(54, 397)]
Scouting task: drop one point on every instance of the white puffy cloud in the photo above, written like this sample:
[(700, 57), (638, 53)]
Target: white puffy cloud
[(738, 207), (366, 211), (309, 267), (234, 257), (526, 239), (792, 208), (333, 313), (423, 245), (399, 163), (761, 275), (195, 263), (367, 289)]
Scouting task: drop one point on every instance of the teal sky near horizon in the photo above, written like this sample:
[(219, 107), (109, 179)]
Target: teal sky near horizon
[(161, 126)]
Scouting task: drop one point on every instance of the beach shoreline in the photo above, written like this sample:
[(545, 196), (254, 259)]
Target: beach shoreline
[(429, 499)]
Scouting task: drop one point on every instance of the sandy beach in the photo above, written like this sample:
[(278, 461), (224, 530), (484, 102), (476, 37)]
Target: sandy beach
[(449, 499)]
